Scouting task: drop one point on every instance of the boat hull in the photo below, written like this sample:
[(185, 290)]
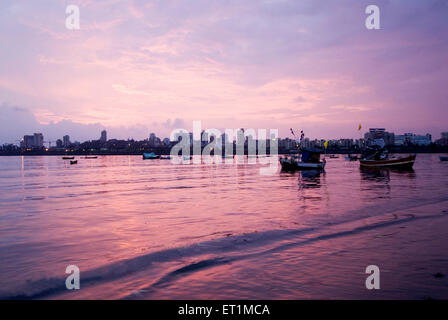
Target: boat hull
[(402, 163), (150, 156), (442, 158), (292, 165)]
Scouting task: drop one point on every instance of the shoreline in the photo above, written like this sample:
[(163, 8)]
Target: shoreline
[(63, 154)]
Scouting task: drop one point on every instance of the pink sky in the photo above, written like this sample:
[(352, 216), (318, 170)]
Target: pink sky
[(137, 67)]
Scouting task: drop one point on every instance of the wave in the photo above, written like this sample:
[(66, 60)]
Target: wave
[(225, 250)]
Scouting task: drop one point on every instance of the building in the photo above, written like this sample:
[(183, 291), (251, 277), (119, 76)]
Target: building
[(380, 133), (443, 141), (103, 136), (59, 143), (32, 141), (166, 142), (66, 141), (345, 143), (413, 139)]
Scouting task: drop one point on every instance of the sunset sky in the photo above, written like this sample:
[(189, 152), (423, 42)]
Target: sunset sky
[(136, 67)]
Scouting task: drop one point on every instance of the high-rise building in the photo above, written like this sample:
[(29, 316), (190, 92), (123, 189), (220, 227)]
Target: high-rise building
[(32, 141), (59, 143), (411, 138), (103, 136), (66, 141), (27, 142), (380, 133), (38, 140), (152, 139), (443, 139)]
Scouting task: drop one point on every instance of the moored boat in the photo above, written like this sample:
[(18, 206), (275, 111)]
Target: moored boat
[(150, 155), (443, 158), (310, 159), (402, 162)]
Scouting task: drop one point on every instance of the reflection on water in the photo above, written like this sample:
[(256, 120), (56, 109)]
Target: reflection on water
[(134, 225)]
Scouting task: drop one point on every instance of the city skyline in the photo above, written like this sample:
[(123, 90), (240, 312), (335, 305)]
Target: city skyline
[(390, 138), (156, 66)]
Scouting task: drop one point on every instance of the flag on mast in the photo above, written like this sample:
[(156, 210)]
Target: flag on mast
[(326, 144)]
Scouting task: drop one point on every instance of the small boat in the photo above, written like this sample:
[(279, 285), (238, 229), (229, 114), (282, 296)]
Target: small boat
[(333, 156), (90, 157), (443, 158), (402, 163), (165, 157), (73, 161), (151, 155), (310, 159), (68, 158)]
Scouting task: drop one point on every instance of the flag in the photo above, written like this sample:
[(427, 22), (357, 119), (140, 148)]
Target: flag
[(292, 131), (326, 144), (301, 136), (359, 127)]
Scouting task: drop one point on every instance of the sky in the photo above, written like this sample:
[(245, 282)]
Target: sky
[(136, 67)]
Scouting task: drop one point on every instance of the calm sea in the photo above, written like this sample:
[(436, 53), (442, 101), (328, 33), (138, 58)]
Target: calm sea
[(149, 229)]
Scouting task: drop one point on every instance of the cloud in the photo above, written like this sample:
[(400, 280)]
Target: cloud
[(15, 122), (227, 63)]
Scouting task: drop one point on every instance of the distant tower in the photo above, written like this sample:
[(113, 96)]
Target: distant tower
[(66, 141), (38, 140), (152, 139), (103, 136)]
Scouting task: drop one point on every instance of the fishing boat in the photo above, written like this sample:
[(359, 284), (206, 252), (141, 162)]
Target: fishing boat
[(377, 157), (73, 161), (402, 162), (443, 158), (68, 158), (151, 155), (309, 159)]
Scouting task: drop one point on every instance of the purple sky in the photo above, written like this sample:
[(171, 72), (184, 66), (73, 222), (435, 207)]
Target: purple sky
[(136, 67)]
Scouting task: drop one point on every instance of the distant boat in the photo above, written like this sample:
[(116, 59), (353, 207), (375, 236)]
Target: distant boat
[(151, 155), (73, 161), (310, 159), (90, 157), (165, 157), (443, 158), (333, 156), (68, 158)]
